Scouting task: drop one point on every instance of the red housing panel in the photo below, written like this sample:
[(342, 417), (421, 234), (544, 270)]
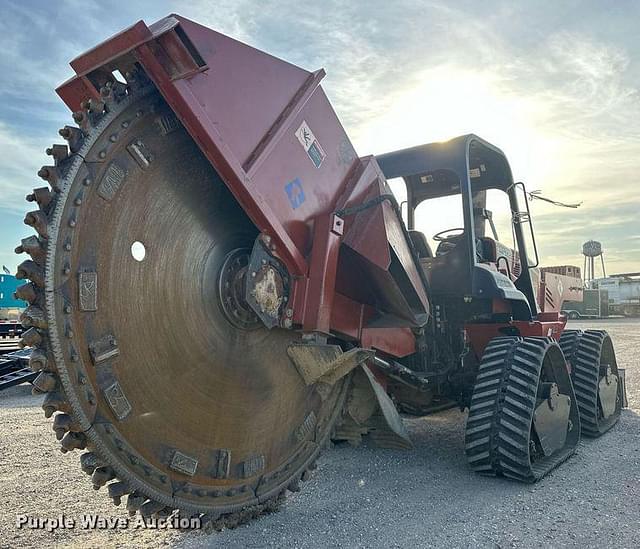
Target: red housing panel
[(269, 130)]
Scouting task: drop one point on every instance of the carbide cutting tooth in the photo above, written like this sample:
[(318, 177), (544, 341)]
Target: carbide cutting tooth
[(62, 423), (134, 502), (306, 475), (117, 490), (101, 476), (54, 402), (41, 195), (94, 106), (89, 462), (73, 441), (73, 136), (44, 383), (51, 175), (34, 317), (113, 92), (31, 338), (38, 220), (294, 485), (29, 269), (58, 152), (82, 119), (150, 508), (26, 292), (38, 360), (32, 246)]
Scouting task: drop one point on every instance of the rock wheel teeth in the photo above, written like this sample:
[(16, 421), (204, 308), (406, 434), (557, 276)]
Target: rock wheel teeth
[(498, 437), (585, 352), (37, 317)]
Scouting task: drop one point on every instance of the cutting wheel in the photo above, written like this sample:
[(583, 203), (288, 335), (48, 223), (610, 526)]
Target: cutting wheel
[(149, 355)]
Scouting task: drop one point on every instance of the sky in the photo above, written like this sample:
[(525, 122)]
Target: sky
[(555, 85)]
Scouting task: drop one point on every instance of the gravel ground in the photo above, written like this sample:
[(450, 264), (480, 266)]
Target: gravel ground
[(362, 497)]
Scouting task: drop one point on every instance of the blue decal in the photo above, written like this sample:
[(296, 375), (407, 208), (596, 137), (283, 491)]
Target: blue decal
[(295, 193)]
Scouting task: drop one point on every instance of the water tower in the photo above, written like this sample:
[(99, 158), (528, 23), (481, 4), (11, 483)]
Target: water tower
[(592, 249)]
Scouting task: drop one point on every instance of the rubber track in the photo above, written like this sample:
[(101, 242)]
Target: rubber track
[(92, 121), (583, 351), (498, 430)]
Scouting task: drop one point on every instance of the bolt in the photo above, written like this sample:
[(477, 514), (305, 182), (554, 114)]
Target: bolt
[(253, 274), (67, 309), (264, 262), (72, 223), (113, 138), (289, 312), (139, 114), (87, 181), (267, 239), (102, 154), (66, 270), (288, 323), (125, 124), (77, 201), (67, 246)]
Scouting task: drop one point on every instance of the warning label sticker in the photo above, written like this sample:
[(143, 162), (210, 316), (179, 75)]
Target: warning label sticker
[(310, 144)]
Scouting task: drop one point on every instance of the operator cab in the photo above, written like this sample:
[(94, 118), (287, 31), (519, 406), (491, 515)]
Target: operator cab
[(457, 187)]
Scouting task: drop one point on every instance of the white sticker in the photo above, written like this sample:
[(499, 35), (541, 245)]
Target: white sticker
[(310, 144), (474, 172)]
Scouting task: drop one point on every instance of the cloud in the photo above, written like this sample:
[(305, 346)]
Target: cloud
[(558, 93), (21, 159)]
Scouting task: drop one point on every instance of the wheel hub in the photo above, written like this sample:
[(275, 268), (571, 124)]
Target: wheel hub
[(231, 287)]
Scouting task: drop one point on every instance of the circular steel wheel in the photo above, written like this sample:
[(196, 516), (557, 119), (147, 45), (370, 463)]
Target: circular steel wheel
[(149, 357), (523, 419), (594, 371)]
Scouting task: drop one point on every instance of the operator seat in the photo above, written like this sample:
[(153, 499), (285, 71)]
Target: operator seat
[(420, 244)]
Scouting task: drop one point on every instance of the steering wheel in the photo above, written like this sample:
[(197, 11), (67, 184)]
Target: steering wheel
[(443, 236)]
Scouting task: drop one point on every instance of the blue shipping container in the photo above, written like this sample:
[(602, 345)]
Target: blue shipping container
[(8, 285)]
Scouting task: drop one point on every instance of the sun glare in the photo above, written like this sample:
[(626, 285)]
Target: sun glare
[(446, 102)]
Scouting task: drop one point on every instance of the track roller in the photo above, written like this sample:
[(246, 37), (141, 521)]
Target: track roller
[(596, 380), (523, 420)]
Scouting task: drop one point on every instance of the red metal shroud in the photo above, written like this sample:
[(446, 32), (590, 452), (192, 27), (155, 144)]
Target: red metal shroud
[(269, 130), (547, 325)]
